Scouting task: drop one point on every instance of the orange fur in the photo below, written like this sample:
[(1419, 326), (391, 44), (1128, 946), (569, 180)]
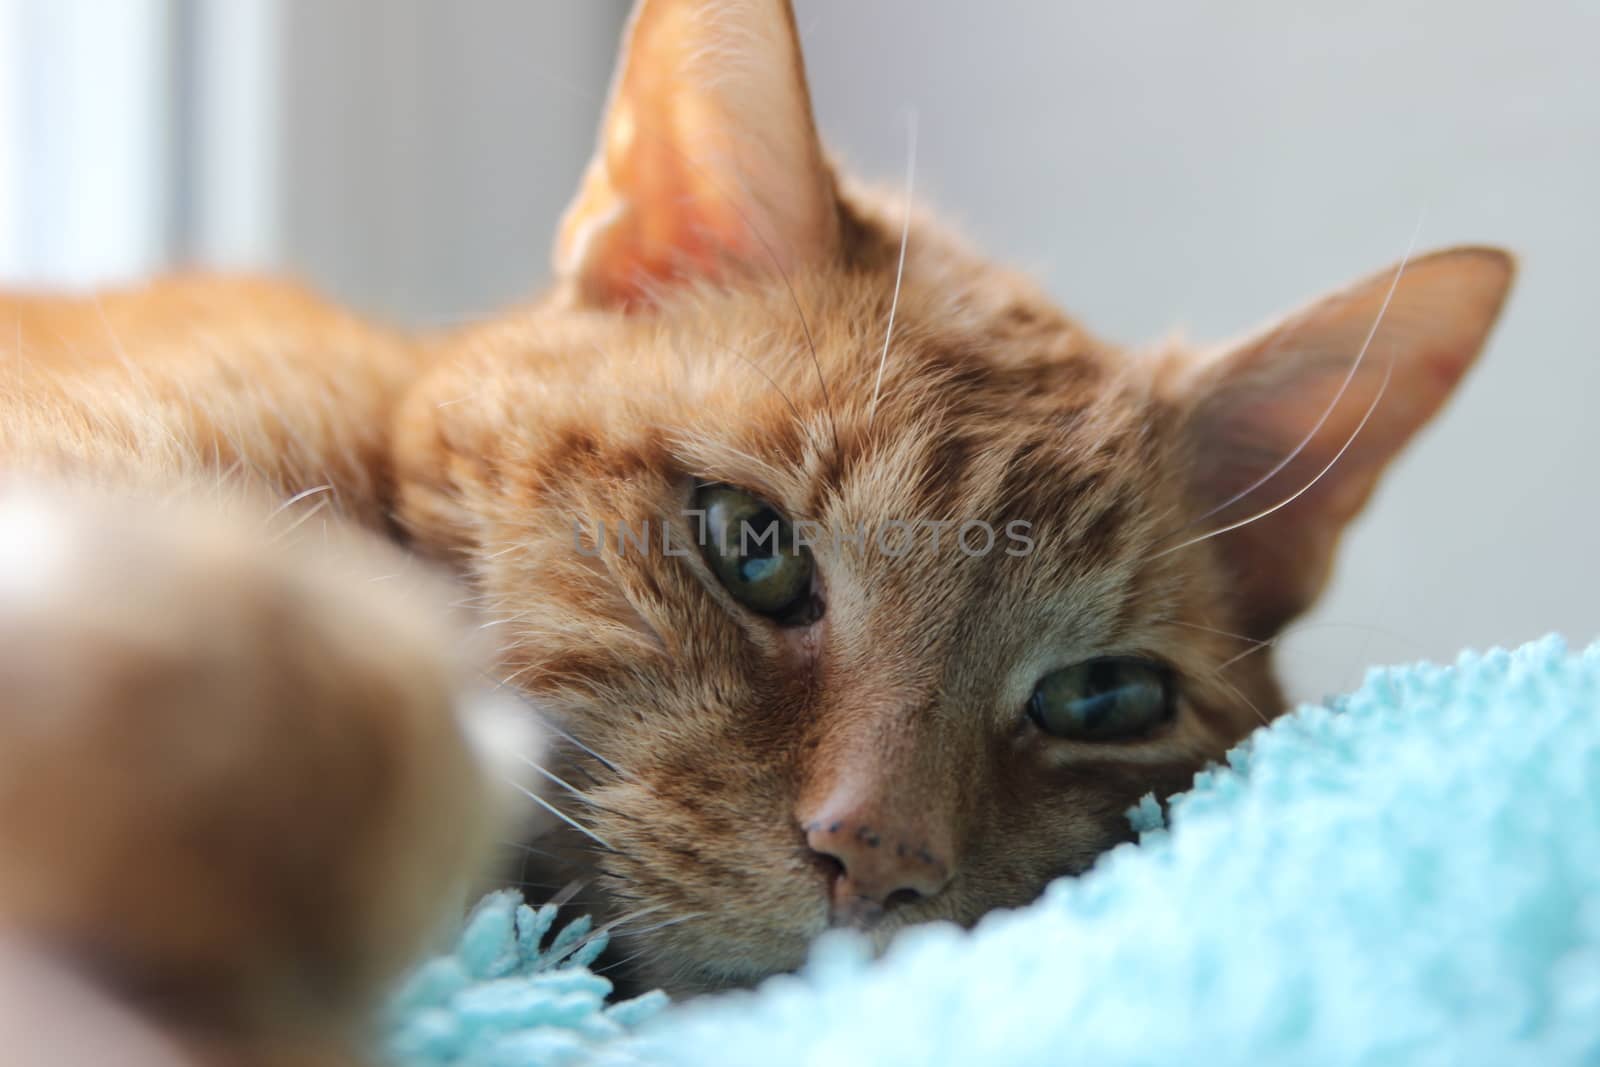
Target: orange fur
[(201, 378), (721, 318)]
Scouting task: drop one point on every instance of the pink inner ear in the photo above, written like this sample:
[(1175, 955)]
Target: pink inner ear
[(1259, 404), (706, 165), (664, 230), (1334, 466)]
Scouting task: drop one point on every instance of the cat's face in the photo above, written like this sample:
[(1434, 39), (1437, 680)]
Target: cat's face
[(870, 729)]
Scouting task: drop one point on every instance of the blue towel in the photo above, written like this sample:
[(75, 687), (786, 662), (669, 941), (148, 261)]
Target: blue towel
[(1410, 874)]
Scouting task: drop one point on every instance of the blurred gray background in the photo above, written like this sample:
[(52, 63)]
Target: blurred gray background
[(1163, 164)]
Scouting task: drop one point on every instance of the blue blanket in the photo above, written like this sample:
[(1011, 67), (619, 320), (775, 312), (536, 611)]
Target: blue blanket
[(1410, 874)]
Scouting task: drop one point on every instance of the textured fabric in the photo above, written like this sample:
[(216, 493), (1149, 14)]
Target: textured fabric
[(510, 995), (1410, 874)]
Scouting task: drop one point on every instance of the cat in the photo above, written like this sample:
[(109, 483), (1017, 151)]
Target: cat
[(846, 579)]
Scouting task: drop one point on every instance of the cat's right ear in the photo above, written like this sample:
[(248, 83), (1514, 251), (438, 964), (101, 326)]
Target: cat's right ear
[(708, 163)]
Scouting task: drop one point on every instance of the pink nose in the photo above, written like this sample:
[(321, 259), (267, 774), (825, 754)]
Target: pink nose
[(877, 861)]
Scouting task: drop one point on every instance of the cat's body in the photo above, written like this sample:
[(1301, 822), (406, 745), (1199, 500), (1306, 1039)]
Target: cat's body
[(902, 732)]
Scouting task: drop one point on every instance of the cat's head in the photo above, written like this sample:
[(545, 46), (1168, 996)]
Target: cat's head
[(868, 729)]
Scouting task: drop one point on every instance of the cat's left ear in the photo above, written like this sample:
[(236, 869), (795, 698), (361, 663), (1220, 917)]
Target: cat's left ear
[(1290, 415), (708, 163)]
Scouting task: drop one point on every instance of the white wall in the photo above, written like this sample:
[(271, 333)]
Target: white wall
[(429, 146), (231, 99)]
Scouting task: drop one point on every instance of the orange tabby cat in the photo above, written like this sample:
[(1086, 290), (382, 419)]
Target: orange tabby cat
[(863, 585)]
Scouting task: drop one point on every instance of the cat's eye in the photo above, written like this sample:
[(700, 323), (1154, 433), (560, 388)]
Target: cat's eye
[(1113, 698), (752, 549)]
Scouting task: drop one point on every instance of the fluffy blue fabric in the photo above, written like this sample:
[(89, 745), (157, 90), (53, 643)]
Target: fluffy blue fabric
[(510, 995), (1408, 875)]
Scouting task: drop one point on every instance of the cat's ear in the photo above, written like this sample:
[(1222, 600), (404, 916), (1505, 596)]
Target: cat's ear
[(708, 162), (1290, 411)]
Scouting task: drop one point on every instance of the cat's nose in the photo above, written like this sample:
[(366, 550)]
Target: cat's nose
[(877, 858)]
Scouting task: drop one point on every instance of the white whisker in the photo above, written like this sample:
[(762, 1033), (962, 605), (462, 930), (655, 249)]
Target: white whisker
[(563, 816), (505, 684), (1211, 630), (568, 893), (900, 268), (1355, 365), (649, 930), (303, 494), (664, 923), (1216, 676), (1252, 650), (1383, 388), (568, 786), (631, 916), (302, 520), (529, 849)]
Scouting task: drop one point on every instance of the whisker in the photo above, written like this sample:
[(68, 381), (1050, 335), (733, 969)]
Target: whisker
[(522, 883), (647, 930), (529, 849), (1211, 630), (588, 775), (1257, 647), (1372, 332), (1236, 691), (592, 754), (666, 923), (1295, 631), (772, 382), (553, 727), (577, 794), (563, 816), (621, 920), (816, 361), (303, 494), (508, 682), (900, 268), (568, 786), (604, 932), (567, 893), (1383, 387), (310, 513)]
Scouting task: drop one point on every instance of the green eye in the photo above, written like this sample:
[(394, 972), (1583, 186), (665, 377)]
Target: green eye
[(1108, 699), (752, 550)]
